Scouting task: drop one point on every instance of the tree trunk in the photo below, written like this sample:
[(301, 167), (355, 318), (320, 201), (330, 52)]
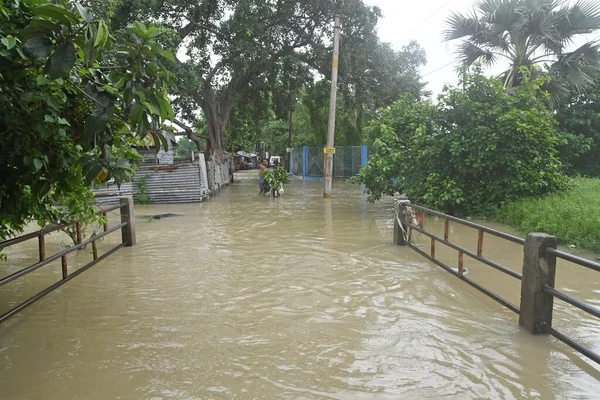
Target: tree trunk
[(217, 112)]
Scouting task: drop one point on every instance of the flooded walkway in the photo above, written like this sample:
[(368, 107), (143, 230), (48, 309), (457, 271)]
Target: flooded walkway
[(244, 297)]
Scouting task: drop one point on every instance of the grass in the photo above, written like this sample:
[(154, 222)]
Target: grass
[(573, 216)]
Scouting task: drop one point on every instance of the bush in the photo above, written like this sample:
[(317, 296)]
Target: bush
[(573, 216), (579, 125), (477, 149), (275, 178)]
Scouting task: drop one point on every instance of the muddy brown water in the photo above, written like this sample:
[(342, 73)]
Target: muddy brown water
[(244, 297)]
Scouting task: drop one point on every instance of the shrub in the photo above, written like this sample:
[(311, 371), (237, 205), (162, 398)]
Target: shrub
[(477, 149)]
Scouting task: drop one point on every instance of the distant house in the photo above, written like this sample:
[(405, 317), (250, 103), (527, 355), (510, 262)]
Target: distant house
[(162, 157)]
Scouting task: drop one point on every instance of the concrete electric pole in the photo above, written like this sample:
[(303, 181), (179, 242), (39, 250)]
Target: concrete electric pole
[(330, 149)]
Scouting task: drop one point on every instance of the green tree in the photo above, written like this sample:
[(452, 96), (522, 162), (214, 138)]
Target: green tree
[(72, 101), (230, 45), (477, 149), (530, 32), (579, 125)]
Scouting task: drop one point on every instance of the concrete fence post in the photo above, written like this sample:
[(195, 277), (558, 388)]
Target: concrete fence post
[(128, 231), (539, 269)]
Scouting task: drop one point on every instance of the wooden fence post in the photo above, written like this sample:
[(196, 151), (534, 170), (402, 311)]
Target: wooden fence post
[(539, 269), (128, 231)]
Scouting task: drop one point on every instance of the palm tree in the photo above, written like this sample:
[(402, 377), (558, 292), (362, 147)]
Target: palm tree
[(529, 32)]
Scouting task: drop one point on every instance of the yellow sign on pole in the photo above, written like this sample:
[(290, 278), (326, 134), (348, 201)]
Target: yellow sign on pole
[(329, 150)]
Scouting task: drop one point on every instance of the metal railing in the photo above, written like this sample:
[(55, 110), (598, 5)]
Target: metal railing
[(547, 327), (538, 318), (459, 272), (127, 239)]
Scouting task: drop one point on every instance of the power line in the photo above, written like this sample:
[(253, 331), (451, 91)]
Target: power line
[(429, 17), (436, 70)]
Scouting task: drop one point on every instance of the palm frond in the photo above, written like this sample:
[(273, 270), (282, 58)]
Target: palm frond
[(460, 26), (471, 52), (580, 66), (498, 12), (582, 17)]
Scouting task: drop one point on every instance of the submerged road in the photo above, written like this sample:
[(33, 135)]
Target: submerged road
[(248, 297)]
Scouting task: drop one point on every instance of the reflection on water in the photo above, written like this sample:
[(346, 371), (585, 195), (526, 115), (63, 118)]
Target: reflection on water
[(291, 298)]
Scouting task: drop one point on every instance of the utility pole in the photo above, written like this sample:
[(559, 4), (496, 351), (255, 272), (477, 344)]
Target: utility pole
[(289, 148), (330, 150)]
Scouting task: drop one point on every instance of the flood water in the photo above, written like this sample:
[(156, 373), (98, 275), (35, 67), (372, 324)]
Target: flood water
[(247, 297)]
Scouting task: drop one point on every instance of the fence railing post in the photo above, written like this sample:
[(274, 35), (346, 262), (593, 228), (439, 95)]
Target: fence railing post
[(399, 230), (539, 269), (128, 231), (363, 155), (305, 161)]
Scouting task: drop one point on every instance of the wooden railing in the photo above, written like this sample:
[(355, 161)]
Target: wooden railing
[(126, 227)]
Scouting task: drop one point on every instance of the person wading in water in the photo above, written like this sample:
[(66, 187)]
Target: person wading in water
[(261, 178)]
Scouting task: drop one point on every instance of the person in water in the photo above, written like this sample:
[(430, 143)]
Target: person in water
[(261, 178)]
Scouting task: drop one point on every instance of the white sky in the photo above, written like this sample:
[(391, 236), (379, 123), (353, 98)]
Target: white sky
[(424, 21)]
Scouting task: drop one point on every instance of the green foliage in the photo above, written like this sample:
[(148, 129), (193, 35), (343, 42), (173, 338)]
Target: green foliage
[(526, 33), (275, 178), (142, 197), (479, 148), (72, 101), (573, 216), (579, 125), (73, 208), (184, 148)]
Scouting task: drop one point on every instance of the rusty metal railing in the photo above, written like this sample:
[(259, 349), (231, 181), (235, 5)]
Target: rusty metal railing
[(127, 239), (538, 318), (459, 272), (589, 309)]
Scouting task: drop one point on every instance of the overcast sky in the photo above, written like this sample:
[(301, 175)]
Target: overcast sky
[(424, 21)]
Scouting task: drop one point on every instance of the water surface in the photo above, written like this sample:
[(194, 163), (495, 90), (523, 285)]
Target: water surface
[(247, 297)]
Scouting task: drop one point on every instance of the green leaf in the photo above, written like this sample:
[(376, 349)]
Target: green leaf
[(40, 28), (37, 164), (153, 107), (136, 114), (89, 52), (93, 172), (151, 69), (153, 32), (38, 48), (140, 30), (165, 107), (61, 61), (168, 55), (9, 42), (160, 141), (56, 13), (95, 123), (83, 11), (101, 35), (119, 84)]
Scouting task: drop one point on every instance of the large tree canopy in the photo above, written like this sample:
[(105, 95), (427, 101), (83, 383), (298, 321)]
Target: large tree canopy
[(72, 100), (229, 48), (529, 32)]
